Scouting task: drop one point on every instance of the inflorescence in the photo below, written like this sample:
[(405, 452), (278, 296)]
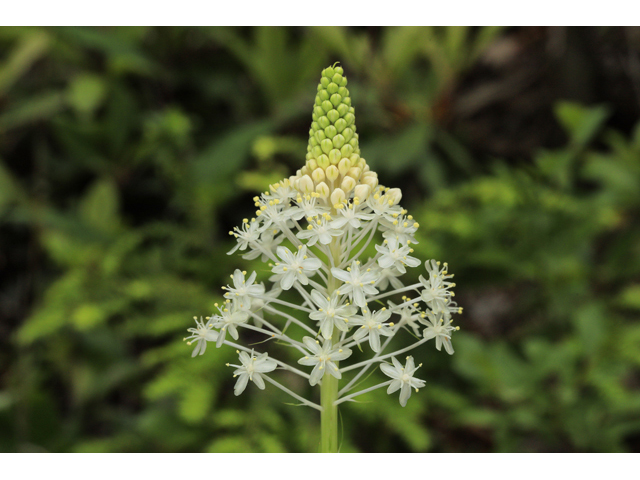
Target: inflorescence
[(312, 230)]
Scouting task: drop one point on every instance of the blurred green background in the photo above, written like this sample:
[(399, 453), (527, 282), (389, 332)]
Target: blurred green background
[(126, 155)]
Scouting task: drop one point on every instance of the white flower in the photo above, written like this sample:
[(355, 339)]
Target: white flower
[(201, 335), (307, 207), (322, 358), (383, 204), (394, 255), (439, 328), (351, 214), (409, 316), (247, 234), (386, 276), (320, 230), (282, 190), (295, 267), (436, 293), (331, 313), (401, 227), (242, 289), (372, 325), (356, 283), (252, 369), (230, 316), (403, 379), (271, 210), (268, 243)]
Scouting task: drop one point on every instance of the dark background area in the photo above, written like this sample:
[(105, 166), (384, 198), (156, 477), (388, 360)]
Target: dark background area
[(127, 154)]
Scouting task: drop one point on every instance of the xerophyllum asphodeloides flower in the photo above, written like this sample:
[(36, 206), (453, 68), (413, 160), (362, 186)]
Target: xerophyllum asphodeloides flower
[(337, 244)]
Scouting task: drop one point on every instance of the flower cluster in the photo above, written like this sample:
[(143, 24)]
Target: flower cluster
[(339, 241)]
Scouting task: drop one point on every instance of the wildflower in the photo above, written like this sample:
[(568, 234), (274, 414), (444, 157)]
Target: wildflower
[(436, 293), (409, 316), (331, 313), (439, 328), (396, 256), (231, 315), (323, 359), (351, 214), (243, 289), (372, 326), (201, 335), (252, 369), (319, 230), (295, 267), (400, 227), (356, 283), (246, 235), (403, 379), (330, 213), (266, 246)]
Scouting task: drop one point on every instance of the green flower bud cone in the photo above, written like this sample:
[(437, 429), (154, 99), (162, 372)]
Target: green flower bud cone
[(332, 138)]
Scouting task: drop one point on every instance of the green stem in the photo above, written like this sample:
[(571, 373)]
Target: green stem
[(329, 385)]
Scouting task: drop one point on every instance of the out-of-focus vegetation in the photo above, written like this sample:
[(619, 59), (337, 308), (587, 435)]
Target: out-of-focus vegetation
[(126, 154)]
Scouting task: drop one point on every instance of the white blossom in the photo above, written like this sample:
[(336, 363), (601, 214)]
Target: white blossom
[(403, 379), (231, 315), (436, 293), (268, 242), (252, 369), (201, 335), (372, 326), (352, 214), (247, 234), (331, 313), (319, 230), (393, 255), (357, 283), (439, 328), (296, 267), (401, 227), (243, 289), (323, 358)]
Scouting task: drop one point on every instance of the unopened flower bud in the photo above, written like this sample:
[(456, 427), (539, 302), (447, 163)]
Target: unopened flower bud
[(347, 133), (341, 125), (344, 165), (323, 122), (323, 161), (305, 184), (332, 173), (330, 132), (333, 116), (343, 110), (362, 191), (326, 145), (334, 156), (348, 184), (318, 175), (346, 150), (312, 164), (338, 141), (322, 189), (370, 180), (354, 172), (337, 196)]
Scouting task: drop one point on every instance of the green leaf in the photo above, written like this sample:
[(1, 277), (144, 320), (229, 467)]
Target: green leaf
[(86, 93), (23, 56), (100, 206), (582, 123)]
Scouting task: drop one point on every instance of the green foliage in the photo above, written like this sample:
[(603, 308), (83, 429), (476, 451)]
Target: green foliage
[(126, 154)]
